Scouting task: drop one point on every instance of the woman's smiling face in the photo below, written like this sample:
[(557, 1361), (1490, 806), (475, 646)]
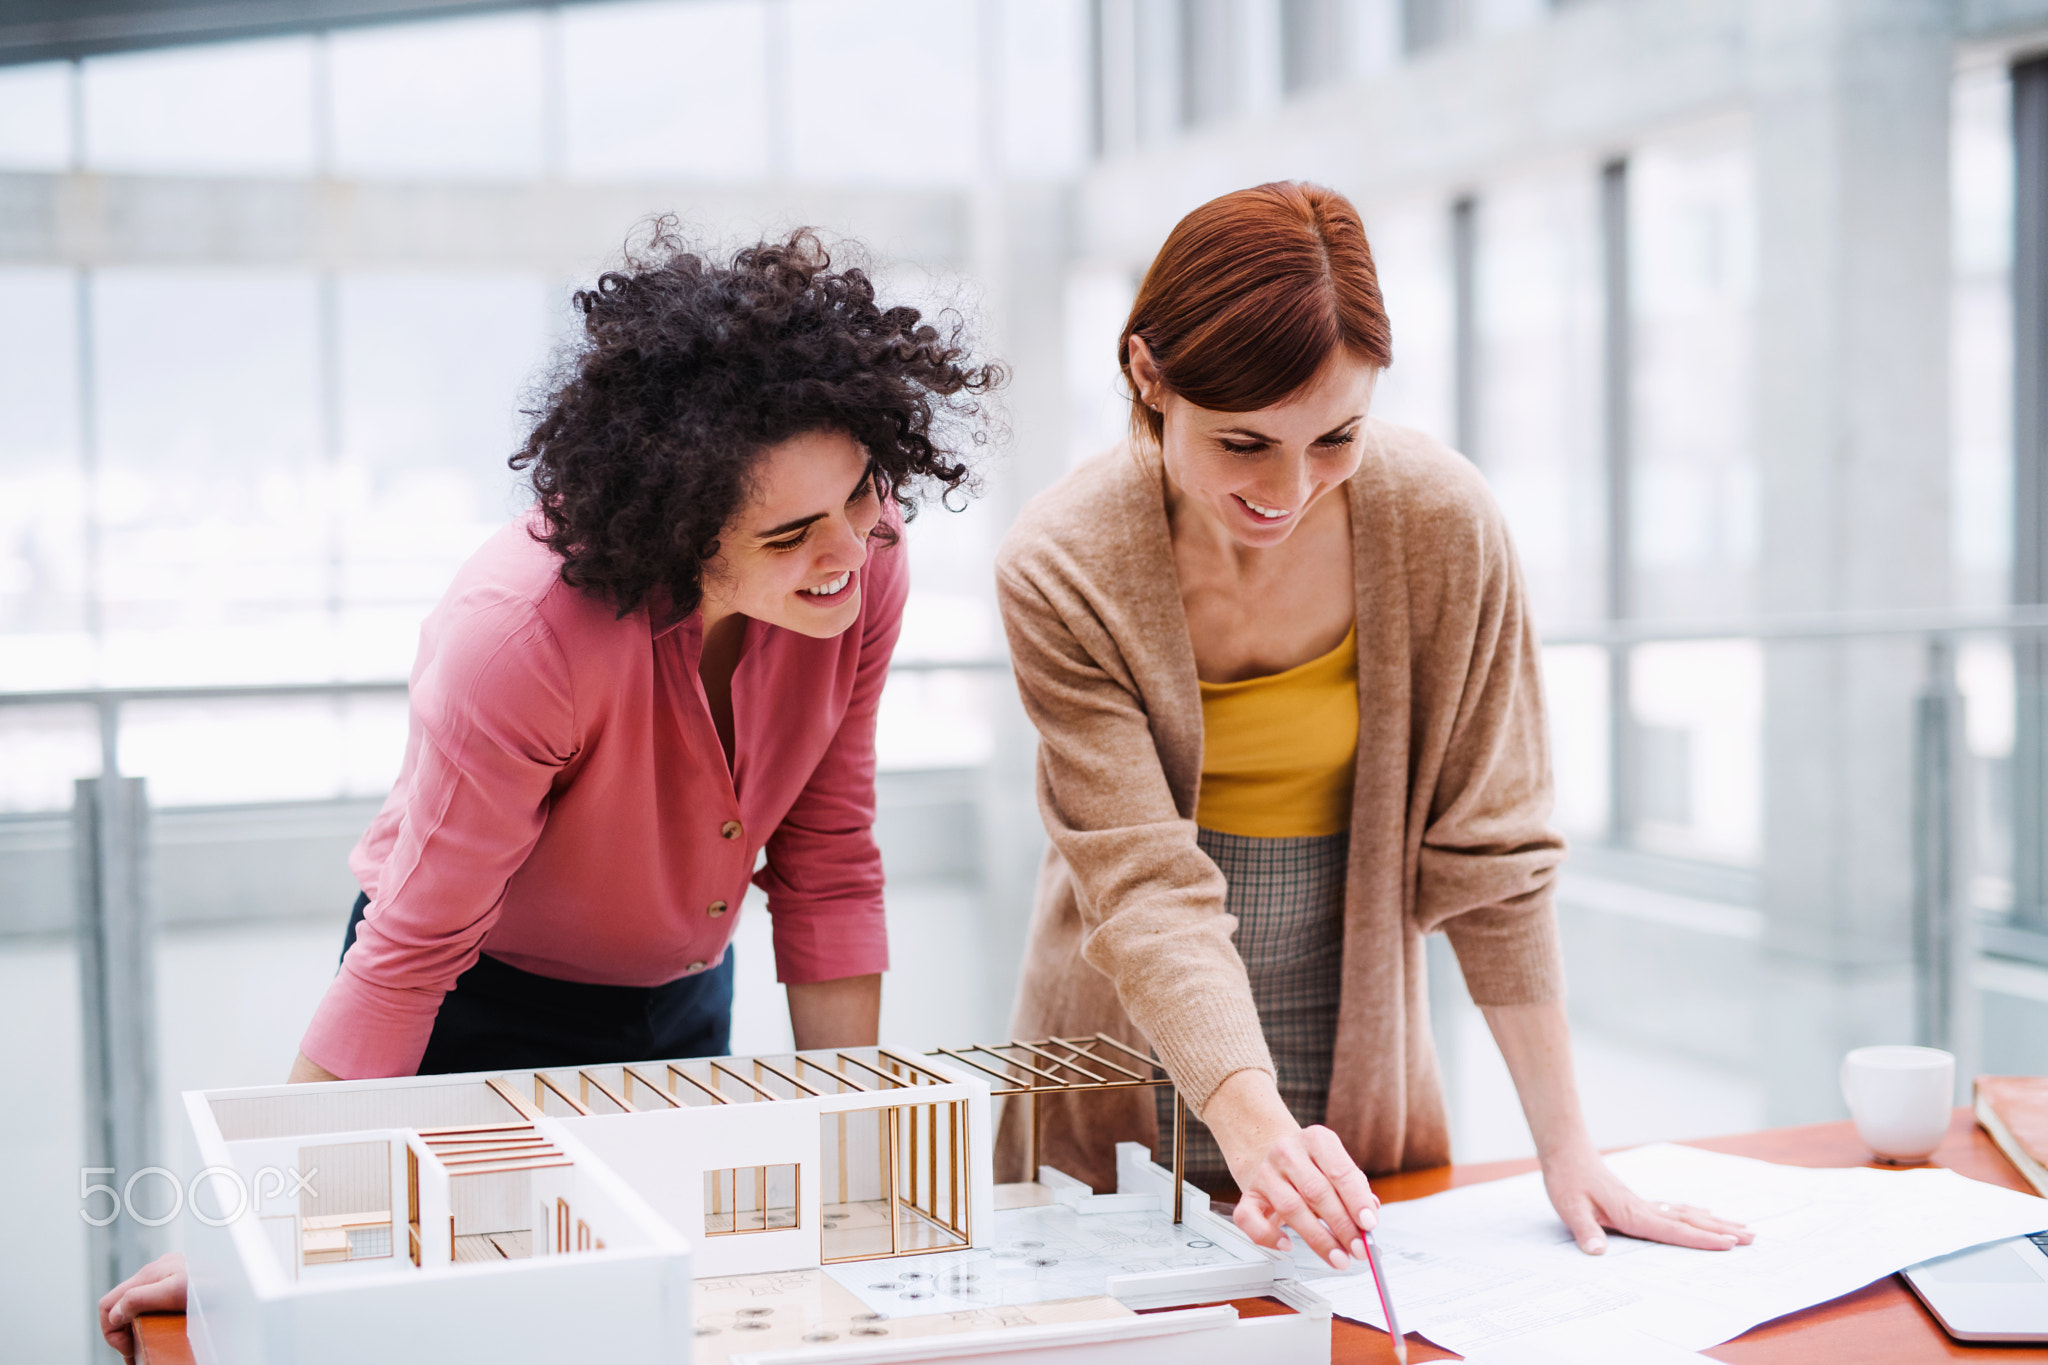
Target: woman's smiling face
[(1254, 475), (792, 555)]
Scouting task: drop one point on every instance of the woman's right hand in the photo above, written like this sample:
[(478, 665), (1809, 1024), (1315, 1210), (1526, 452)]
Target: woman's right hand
[(1289, 1176), (158, 1287)]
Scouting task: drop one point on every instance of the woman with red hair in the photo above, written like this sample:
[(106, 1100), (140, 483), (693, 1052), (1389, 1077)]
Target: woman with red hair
[(1291, 720)]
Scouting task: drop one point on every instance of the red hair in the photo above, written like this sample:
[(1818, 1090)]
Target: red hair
[(1250, 296)]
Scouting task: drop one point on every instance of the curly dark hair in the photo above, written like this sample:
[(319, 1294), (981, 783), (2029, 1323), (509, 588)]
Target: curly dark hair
[(689, 369)]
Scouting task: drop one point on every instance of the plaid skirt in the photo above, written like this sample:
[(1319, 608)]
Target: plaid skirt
[(1288, 896)]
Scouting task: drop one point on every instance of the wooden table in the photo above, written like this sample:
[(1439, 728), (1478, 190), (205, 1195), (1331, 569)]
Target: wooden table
[(1880, 1324)]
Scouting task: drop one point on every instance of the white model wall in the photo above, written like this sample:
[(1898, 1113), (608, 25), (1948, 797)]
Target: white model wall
[(617, 1307), (664, 1155), (437, 1207), (499, 1201), (619, 1213), (404, 1102), (351, 1174)]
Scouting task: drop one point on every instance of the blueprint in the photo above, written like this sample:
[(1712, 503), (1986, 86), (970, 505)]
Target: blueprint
[(1475, 1268)]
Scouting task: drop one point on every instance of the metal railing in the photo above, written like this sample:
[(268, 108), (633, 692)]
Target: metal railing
[(1840, 625), (107, 702), (1947, 932)]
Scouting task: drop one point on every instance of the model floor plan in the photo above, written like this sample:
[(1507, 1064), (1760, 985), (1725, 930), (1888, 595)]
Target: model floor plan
[(825, 1204)]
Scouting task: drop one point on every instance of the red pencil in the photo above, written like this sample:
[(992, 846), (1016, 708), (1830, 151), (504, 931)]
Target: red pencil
[(1379, 1281)]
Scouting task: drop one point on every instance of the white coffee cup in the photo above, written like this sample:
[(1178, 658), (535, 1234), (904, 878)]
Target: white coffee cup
[(1900, 1098)]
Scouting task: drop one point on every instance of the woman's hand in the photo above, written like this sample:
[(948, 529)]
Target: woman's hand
[(158, 1287), (1589, 1198), (1536, 1043), (1289, 1176)]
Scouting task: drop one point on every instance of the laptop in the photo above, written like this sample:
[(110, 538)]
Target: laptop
[(1994, 1292)]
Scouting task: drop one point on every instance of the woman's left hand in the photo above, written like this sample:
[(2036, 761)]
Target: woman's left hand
[(1589, 1198), (1536, 1042), (158, 1287)]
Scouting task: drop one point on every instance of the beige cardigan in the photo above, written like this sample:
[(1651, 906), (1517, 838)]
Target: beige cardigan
[(1449, 823)]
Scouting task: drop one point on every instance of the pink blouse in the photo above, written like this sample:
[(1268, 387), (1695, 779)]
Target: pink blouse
[(565, 806)]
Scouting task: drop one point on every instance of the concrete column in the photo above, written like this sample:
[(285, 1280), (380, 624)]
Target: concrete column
[(2030, 487), (1465, 328), (1258, 59), (1115, 64), (1157, 53), (1617, 432), (1850, 107), (117, 986)]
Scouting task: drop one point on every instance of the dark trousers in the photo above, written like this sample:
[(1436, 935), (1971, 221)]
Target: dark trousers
[(499, 1018)]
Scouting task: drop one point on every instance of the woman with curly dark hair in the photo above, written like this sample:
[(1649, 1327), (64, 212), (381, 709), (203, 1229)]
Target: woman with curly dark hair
[(667, 669)]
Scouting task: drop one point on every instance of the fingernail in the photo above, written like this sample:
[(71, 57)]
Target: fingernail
[(1358, 1247), (1595, 1245), (1285, 1243), (1338, 1260), (1369, 1218)]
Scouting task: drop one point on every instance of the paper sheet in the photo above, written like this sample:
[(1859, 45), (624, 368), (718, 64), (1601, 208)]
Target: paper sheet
[(1474, 1268), (1593, 1341)]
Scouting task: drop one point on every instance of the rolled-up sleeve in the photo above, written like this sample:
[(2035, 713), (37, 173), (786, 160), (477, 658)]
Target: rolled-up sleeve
[(823, 872), (493, 717)]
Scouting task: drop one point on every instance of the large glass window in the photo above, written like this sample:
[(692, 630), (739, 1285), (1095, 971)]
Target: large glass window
[(677, 89), (431, 370), (283, 467), (1698, 708), (1099, 404), (1044, 96), (1981, 170), (1691, 291), (43, 539), (234, 108), (461, 99), (35, 117), (1699, 719), (883, 91), (42, 492), (1411, 248), (1538, 349), (213, 533), (1980, 337)]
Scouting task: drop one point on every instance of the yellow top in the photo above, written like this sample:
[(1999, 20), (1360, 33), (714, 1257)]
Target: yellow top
[(1278, 752)]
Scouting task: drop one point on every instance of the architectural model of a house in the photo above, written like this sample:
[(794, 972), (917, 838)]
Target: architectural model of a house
[(811, 1207)]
